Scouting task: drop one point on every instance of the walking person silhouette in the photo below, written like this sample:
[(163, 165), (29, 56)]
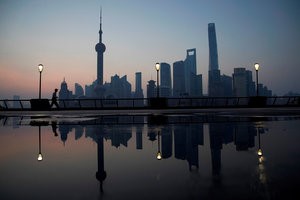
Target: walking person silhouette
[(54, 99)]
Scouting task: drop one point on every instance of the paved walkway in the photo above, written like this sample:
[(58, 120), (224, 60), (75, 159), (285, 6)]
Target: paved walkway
[(288, 111)]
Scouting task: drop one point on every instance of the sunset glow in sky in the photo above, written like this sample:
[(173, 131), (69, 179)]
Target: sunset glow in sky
[(62, 34)]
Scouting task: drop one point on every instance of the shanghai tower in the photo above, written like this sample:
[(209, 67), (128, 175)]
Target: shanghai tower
[(214, 78), (213, 51)]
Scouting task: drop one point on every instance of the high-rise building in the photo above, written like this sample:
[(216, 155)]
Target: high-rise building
[(186, 82), (190, 71), (242, 83), (198, 86), (78, 90), (251, 84), (138, 85), (118, 87), (165, 80), (64, 93), (214, 77), (226, 82), (213, 51), (151, 89), (178, 79)]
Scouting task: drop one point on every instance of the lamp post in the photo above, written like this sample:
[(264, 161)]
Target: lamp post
[(256, 66), (157, 66), (40, 156), (40, 68)]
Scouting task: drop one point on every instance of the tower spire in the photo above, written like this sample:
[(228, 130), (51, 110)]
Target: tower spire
[(100, 31)]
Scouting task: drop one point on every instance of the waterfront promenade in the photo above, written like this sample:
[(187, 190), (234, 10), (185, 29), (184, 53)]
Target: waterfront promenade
[(270, 111)]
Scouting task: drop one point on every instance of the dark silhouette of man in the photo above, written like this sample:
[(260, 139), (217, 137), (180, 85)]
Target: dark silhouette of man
[(54, 99)]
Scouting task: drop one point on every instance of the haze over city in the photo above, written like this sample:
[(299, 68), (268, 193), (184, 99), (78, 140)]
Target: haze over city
[(62, 36)]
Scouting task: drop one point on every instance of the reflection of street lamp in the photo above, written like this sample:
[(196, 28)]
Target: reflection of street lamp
[(157, 66), (158, 156), (259, 151), (256, 65), (40, 157), (40, 67)]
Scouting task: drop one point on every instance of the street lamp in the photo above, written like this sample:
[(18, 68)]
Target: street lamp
[(256, 66), (157, 66), (40, 68)]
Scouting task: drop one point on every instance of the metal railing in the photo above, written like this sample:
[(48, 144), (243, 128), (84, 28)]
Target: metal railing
[(148, 103)]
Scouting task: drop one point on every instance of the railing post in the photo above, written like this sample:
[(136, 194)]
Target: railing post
[(21, 104), (287, 103), (5, 104), (79, 103), (274, 100)]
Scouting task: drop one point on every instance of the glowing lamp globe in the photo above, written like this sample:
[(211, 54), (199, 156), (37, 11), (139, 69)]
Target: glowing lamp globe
[(158, 156), (256, 65), (40, 67), (40, 157), (157, 66)]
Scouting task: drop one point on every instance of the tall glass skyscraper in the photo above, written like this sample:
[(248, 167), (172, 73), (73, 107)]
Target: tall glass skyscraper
[(165, 80), (178, 79), (213, 51), (214, 78), (138, 85)]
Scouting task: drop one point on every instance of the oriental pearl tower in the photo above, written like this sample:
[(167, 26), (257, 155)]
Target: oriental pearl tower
[(100, 49)]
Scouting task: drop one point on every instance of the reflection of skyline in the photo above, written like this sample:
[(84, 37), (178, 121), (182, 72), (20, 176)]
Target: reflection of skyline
[(181, 139)]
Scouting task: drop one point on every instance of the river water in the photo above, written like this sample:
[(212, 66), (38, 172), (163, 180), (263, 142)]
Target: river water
[(150, 157)]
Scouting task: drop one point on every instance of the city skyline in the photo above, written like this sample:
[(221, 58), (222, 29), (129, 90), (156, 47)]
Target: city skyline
[(62, 35)]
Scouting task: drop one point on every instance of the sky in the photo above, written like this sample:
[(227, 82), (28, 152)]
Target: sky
[(62, 34)]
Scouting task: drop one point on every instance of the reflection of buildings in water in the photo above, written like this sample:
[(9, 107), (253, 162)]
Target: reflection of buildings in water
[(219, 133), (186, 141), (215, 138), (119, 136), (97, 133), (139, 138), (151, 135), (64, 131), (101, 173), (244, 134), (187, 137), (166, 143), (78, 132)]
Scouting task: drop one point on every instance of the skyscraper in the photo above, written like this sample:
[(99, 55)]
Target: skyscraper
[(118, 87), (165, 80), (190, 71), (138, 85), (186, 82), (78, 90), (213, 51), (214, 77), (151, 89), (100, 49), (242, 82), (178, 79)]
